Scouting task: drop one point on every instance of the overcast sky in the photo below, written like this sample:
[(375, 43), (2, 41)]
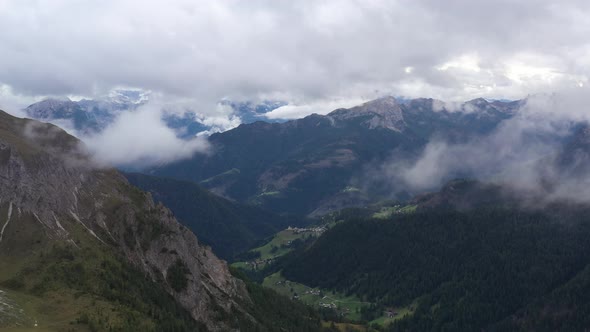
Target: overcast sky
[(316, 55)]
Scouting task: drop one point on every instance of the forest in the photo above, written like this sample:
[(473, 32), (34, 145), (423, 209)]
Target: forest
[(458, 270)]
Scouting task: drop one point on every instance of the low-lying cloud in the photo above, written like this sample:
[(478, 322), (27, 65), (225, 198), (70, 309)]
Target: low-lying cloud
[(141, 138), (296, 111), (524, 153)]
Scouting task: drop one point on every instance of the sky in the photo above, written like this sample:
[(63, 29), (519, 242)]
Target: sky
[(317, 55), (304, 52)]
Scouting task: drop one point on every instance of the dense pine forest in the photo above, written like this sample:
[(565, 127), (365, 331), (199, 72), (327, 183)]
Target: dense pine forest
[(484, 268)]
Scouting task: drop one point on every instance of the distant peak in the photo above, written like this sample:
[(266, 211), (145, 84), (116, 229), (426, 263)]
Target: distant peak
[(384, 112), (377, 106), (478, 101), (381, 102), (46, 107), (56, 100)]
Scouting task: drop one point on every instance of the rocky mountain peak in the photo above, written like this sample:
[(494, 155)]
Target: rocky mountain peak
[(46, 108), (478, 102), (384, 112)]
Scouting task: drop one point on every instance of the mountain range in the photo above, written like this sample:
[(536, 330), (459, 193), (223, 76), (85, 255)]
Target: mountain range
[(319, 164), (297, 207), (91, 116)]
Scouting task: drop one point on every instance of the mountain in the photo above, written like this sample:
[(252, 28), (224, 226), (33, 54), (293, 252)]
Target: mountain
[(229, 228), (319, 163), (467, 258), (89, 116), (82, 249), (380, 113)]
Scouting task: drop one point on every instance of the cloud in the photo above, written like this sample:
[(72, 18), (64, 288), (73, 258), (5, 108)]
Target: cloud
[(306, 51), (315, 55), (11, 102), (323, 107), (140, 138), (523, 153), (221, 120)]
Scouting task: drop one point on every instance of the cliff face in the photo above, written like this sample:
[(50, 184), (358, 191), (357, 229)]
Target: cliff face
[(380, 113), (50, 192)]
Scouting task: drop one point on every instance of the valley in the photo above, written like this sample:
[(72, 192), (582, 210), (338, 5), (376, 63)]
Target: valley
[(323, 163), (281, 244), (294, 166), (337, 306), (82, 249), (312, 244)]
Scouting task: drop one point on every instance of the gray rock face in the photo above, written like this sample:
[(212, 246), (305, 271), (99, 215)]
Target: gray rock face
[(48, 186), (379, 113), (45, 109)]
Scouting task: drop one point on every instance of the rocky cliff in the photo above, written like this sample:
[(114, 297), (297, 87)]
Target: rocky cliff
[(52, 194)]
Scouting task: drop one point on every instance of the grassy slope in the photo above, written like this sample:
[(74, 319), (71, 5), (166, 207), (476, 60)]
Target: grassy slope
[(280, 241), (388, 211), (345, 305), (62, 287), (82, 284)]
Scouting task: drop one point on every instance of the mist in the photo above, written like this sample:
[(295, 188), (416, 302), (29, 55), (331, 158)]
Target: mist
[(527, 153), (140, 138)]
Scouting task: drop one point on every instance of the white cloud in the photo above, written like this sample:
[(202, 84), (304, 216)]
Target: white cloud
[(320, 107), (141, 138), (12, 103), (316, 55), (520, 154), (464, 62), (222, 119), (306, 51)]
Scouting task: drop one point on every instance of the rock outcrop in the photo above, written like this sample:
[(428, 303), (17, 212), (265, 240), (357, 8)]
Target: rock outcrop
[(50, 191)]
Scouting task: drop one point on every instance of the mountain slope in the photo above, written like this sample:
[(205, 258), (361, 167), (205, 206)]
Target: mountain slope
[(50, 194), (469, 259), (230, 228), (317, 164), (80, 245)]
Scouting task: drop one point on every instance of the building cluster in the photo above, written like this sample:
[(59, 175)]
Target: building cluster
[(331, 305), (314, 230)]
